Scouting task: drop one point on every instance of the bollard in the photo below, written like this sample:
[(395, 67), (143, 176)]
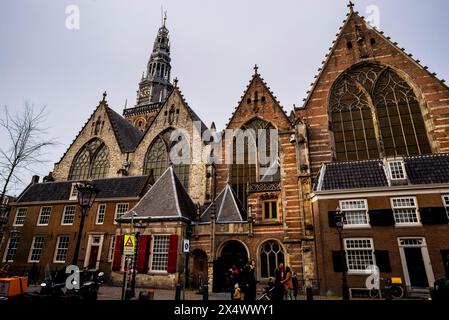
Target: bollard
[(205, 292), (178, 292), (309, 294)]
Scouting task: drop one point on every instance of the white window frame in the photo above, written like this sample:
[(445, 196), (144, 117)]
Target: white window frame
[(57, 248), (40, 215), (32, 248), (416, 207), (7, 248), (116, 210), (402, 166), (356, 272), (15, 224), (356, 226), (111, 248), (153, 242), (64, 213), (73, 192), (100, 206), (445, 199)]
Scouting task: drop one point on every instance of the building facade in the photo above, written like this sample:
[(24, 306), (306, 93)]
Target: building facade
[(371, 138)]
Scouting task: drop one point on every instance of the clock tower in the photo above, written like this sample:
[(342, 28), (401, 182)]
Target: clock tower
[(154, 85)]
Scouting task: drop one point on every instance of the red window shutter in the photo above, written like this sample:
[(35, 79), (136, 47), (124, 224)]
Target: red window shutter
[(172, 253), (142, 254), (117, 261)]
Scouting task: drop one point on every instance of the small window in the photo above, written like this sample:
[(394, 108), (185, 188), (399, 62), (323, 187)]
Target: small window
[(372, 41), (69, 215), (270, 210), (263, 99), (62, 247), (159, 260), (248, 101), (349, 45), (36, 249), (20, 217), (44, 216), (397, 170), (446, 204), (73, 192), (405, 211), (359, 254), (101, 213), (11, 249), (120, 210), (111, 249), (355, 212)]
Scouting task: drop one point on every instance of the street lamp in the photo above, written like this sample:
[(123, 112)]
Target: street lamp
[(339, 223), (86, 197)]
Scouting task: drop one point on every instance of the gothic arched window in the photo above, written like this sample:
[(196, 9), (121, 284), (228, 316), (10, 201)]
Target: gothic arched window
[(158, 156), (375, 113), (271, 255), (250, 164), (91, 162), (400, 119), (100, 163)]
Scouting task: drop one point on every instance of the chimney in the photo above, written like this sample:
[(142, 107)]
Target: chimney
[(35, 179)]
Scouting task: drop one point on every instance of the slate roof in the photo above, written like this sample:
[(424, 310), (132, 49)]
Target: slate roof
[(421, 170), (128, 137), (166, 199), (122, 187), (228, 208), (428, 169)]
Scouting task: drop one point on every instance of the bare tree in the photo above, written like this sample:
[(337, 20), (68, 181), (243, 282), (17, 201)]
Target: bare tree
[(25, 141)]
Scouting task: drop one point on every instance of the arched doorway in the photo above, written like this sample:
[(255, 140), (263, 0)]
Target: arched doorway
[(198, 266), (232, 253)]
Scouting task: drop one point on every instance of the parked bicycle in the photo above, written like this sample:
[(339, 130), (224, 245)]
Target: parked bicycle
[(392, 289)]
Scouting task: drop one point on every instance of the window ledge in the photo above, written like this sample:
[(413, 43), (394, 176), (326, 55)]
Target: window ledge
[(408, 225), (359, 226)]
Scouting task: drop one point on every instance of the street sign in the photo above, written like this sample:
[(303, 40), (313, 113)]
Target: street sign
[(129, 244), (186, 246)]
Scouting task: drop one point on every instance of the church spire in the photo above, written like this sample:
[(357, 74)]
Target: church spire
[(155, 85)]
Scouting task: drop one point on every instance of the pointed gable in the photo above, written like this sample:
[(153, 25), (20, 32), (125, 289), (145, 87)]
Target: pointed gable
[(166, 199), (259, 101), (228, 208), (358, 44)]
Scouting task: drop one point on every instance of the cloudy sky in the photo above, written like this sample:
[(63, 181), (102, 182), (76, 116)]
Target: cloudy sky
[(214, 46)]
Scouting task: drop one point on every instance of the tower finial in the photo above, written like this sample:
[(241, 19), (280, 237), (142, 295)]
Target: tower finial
[(351, 7), (165, 17), (256, 68), (175, 82), (104, 96)]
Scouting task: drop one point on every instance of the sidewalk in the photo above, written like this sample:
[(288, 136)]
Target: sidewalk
[(115, 293)]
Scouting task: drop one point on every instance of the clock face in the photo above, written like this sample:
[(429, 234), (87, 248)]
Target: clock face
[(144, 92)]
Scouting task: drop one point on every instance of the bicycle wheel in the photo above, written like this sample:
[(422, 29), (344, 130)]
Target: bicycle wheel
[(397, 292), (374, 293)]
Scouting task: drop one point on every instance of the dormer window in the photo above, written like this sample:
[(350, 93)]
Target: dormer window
[(73, 192), (396, 170)]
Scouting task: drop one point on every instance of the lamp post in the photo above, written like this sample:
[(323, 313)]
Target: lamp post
[(86, 197), (139, 225), (339, 223)]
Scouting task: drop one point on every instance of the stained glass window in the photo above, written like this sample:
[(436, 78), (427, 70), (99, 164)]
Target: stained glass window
[(374, 111), (92, 161)]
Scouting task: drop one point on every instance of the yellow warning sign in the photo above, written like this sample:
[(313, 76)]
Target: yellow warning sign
[(129, 244)]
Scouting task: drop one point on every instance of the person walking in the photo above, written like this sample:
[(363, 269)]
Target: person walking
[(278, 292), (295, 285), (237, 292), (249, 281), (288, 284)]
